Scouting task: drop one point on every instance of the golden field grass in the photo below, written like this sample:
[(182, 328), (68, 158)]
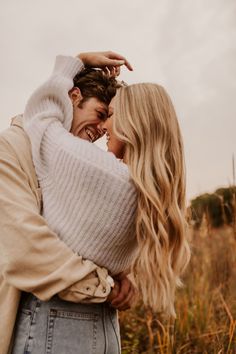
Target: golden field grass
[(206, 306)]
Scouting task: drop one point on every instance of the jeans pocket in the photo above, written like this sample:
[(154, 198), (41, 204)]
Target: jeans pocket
[(71, 332), (21, 333)]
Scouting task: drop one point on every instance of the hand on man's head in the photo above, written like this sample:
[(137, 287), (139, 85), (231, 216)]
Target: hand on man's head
[(103, 59)]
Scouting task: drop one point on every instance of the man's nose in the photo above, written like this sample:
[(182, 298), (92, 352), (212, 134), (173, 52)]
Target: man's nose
[(101, 128)]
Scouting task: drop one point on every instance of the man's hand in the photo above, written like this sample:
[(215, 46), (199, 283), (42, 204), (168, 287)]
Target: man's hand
[(103, 59), (114, 291), (123, 294)]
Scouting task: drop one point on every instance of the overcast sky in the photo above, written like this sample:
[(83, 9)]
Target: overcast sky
[(188, 46)]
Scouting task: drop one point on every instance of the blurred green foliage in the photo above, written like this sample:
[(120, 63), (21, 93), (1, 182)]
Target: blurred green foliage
[(219, 208)]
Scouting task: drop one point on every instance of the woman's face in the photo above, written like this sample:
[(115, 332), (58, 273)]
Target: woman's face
[(114, 145)]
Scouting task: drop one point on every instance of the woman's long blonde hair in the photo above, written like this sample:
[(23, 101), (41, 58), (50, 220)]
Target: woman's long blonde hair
[(146, 121)]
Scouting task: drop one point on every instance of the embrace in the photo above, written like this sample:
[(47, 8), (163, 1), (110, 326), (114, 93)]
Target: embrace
[(84, 231)]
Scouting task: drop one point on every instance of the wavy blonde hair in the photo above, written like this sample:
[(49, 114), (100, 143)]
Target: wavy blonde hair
[(146, 121)]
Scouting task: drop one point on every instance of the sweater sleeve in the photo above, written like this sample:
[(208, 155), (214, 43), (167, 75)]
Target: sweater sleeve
[(47, 121), (50, 103)]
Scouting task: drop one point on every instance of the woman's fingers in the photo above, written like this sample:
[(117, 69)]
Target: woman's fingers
[(102, 59), (113, 55)]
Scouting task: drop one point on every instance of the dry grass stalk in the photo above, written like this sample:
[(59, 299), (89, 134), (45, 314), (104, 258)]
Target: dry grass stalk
[(206, 306)]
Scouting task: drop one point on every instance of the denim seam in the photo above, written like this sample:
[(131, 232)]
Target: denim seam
[(117, 338), (104, 329), (74, 315), (50, 327), (94, 334), (34, 310), (28, 334)]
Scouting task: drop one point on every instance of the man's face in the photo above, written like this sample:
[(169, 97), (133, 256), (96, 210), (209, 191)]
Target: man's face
[(87, 119)]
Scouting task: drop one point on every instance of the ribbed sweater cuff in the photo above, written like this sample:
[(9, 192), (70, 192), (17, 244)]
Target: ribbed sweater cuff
[(67, 66)]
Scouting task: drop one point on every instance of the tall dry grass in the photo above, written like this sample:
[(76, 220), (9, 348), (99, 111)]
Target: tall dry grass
[(206, 306)]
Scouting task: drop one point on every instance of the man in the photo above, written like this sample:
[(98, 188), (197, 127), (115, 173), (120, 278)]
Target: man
[(32, 257)]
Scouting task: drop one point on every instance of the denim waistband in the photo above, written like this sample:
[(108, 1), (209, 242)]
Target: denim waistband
[(30, 302)]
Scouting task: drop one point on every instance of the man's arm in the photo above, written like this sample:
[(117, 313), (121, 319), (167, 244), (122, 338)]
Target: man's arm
[(32, 257)]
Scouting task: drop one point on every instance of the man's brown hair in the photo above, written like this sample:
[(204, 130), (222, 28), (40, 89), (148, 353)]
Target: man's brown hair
[(95, 83)]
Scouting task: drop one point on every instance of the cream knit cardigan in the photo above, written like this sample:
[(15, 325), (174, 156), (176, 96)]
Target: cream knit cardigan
[(88, 197)]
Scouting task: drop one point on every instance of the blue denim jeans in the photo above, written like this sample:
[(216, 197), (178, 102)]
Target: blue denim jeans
[(61, 327)]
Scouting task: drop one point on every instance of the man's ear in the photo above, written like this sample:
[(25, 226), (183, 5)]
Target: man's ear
[(75, 95)]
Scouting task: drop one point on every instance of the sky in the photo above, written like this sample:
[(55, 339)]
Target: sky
[(187, 46)]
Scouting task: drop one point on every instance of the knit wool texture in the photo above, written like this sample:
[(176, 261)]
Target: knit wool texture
[(89, 199)]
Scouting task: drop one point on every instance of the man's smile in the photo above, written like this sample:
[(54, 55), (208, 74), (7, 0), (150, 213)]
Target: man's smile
[(92, 134)]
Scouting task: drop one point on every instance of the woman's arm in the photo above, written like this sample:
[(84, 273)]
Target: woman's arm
[(50, 103)]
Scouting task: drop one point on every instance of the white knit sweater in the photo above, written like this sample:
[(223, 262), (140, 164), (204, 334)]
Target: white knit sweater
[(88, 197)]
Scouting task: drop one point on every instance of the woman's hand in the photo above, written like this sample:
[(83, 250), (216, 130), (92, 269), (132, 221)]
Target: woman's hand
[(103, 59)]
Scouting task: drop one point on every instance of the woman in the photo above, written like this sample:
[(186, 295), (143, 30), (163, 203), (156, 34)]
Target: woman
[(144, 132), (91, 202)]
